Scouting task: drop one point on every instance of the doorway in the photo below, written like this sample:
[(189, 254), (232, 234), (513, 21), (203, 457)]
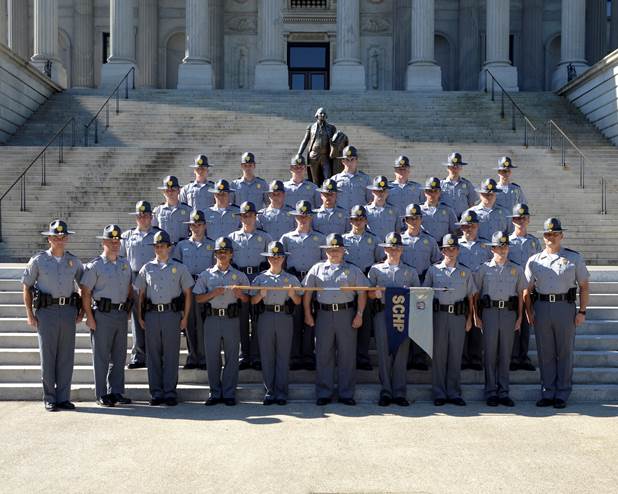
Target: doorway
[(308, 66)]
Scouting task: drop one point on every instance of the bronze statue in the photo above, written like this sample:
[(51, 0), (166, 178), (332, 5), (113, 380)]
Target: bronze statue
[(318, 136), (337, 145)]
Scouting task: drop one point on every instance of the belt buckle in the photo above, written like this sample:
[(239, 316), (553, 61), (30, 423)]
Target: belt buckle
[(335, 307), (276, 308), (62, 300), (552, 297), (160, 307), (121, 307), (500, 304), (451, 309), (221, 312), (249, 269)]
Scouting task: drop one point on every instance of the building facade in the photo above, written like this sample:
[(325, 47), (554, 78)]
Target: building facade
[(527, 45)]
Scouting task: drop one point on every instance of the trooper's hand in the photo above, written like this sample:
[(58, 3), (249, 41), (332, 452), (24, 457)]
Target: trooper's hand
[(91, 323), (518, 323), (357, 322), (468, 325), (184, 322), (80, 316), (238, 293), (33, 321), (220, 290), (579, 319), (142, 323), (309, 321), (263, 293)]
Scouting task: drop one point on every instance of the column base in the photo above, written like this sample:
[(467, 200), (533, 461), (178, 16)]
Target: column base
[(112, 72), (424, 76), (272, 76), (348, 77), (195, 76), (58, 73), (504, 73), (561, 76)]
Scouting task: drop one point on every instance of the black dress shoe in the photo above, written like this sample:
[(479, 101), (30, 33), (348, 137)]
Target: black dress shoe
[(230, 402), (51, 407), (439, 402), (422, 366), (558, 403), (269, 401), (118, 398), (190, 366), (105, 401), (322, 401), (513, 366), (476, 367), (171, 402), (401, 401), (492, 401), (544, 402), (384, 401), (202, 367), (527, 366), (281, 402), (212, 401), (256, 365), (244, 365), (457, 401), (136, 365), (347, 401), (155, 402), (507, 402), (66, 405), (366, 366)]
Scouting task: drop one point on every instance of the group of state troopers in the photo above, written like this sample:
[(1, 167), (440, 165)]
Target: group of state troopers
[(290, 275)]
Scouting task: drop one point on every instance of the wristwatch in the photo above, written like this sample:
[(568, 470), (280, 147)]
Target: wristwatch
[(583, 312)]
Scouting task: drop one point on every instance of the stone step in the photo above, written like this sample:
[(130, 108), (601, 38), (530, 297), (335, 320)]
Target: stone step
[(365, 393)]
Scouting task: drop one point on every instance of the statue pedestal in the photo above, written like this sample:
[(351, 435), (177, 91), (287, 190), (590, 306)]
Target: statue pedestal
[(424, 76), (195, 76), (348, 76), (271, 76)]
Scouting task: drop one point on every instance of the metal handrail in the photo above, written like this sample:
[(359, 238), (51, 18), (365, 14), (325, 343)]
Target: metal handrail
[(22, 176), (105, 106), (514, 107), (582, 157), (603, 195)]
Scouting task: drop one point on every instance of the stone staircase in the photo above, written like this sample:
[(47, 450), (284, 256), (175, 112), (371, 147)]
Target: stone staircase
[(595, 373)]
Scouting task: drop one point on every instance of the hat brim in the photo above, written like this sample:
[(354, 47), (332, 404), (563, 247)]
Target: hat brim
[(357, 217), (485, 191), (448, 245), (230, 249), (420, 215), (397, 165), (326, 191), (240, 213), (170, 244), (390, 245), (462, 163), (552, 231), (432, 188), (168, 188), (193, 222), (107, 238), (346, 157), (199, 166), (467, 223), (371, 187), (518, 215), (494, 244), (55, 234), (498, 168), (296, 213), (217, 191), (269, 254), (332, 246), (136, 213)]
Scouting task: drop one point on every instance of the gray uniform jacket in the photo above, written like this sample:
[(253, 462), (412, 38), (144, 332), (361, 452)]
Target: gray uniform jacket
[(276, 222), (511, 194), (221, 222), (439, 220), (213, 278), (352, 189), (522, 248), (304, 191), (458, 278), (473, 253), (250, 191), (500, 282), (491, 220), (172, 220), (402, 195), (556, 273), (249, 246), (387, 275), (197, 256), (56, 278), (163, 282), (137, 247), (361, 250), (196, 195), (420, 251), (458, 195), (275, 297), (107, 279), (324, 275), (333, 220)]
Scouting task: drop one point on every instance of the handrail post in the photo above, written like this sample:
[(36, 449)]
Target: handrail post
[(502, 103), (133, 74), (562, 153), (23, 194), (106, 116), (73, 131), (60, 148), (44, 172), (493, 90), (86, 130), (96, 131), (126, 87), (525, 134), (549, 143), (117, 102), (513, 124), (582, 181), (0, 221)]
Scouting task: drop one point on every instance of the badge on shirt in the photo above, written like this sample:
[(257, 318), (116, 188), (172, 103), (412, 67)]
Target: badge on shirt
[(124, 267), (369, 241), (259, 239), (234, 276), (390, 211), (70, 263), (174, 270), (513, 271), (564, 260), (308, 187), (426, 241), (339, 215), (286, 280), (316, 238), (444, 212), (464, 186), (463, 274), (346, 271), (183, 212)]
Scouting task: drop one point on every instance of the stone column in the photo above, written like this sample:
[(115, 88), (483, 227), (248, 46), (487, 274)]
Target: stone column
[(348, 70), (195, 72), (83, 45), (596, 30), (469, 45), (497, 46), (572, 41), (4, 23), (271, 72), (148, 42), (532, 67), (122, 42), (217, 41), (46, 40), (18, 27), (613, 25), (423, 71)]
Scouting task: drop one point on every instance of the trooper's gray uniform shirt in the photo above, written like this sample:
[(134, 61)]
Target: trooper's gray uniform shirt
[(162, 283), (420, 251), (304, 191), (361, 250), (382, 220), (56, 328), (248, 246), (448, 329), (252, 191), (438, 220), (554, 326), (334, 334), (491, 220), (332, 220), (511, 194), (499, 283), (172, 219), (522, 248), (303, 249), (220, 331), (196, 195), (111, 280), (275, 221), (392, 368), (459, 195), (473, 253), (220, 222), (352, 189), (402, 195)]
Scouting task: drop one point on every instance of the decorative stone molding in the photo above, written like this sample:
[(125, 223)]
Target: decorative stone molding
[(241, 24), (375, 24)]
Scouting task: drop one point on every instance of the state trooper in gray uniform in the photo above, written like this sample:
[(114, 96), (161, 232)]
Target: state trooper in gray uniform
[(275, 219), (555, 275), (361, 249), (453, 314), (195, 252), (511, 192), (172, 215), (107, 296), (137, 246), (491, 217), (196, 193), (298, 188), (248, 244), (338, 317), (438, 218), (381, 217), (501, 285), (351, 182), (275, 323), (457, 191), (403, 190), (330, 217), (221, 323), (221, 219), (472, 253), (523, 246), (303, 251), (420, 250), (392, 368), (164, 306), (53, 276), (249, 187)]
